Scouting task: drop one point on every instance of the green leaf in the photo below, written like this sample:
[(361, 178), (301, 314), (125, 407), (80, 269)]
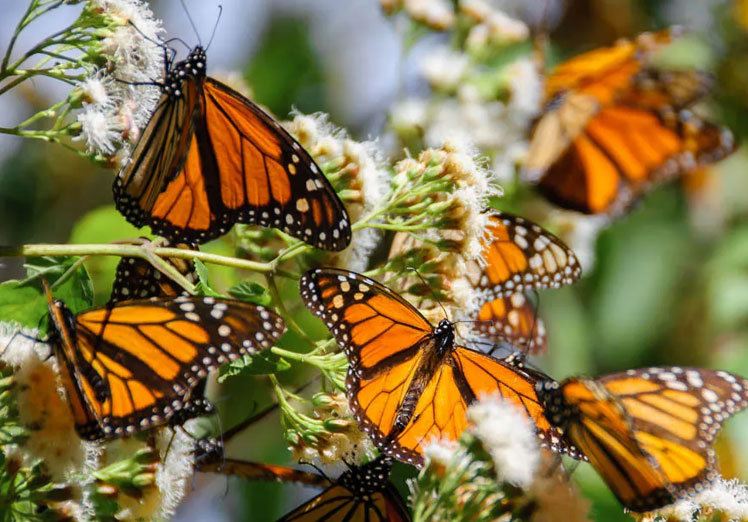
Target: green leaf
[(259, 364), (251, 292), (103, 225), (202, 287), (24, 302)]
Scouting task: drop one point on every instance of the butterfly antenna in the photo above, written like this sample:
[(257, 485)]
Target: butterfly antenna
[(215, 27), (318, 469), (192, 23), (433, 294)]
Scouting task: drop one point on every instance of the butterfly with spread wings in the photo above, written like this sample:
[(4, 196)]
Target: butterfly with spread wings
[(135, 365), (647, 431), (361, 494), (409, 382), (613, 127), (209, 158), (519, 256)]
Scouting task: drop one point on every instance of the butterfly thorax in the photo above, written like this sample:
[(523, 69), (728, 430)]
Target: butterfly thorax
[(557, 411), (368, 479), (444, 334), (192, 68)]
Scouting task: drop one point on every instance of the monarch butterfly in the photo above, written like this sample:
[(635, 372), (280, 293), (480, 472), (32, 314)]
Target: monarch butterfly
[(407, 381), (136, 278), (135, 365), (612, 128), (647, 431), (361, 494), (209, 158), (519, 256)]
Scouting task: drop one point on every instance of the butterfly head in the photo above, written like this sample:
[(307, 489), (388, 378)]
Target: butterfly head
[(193, 67)]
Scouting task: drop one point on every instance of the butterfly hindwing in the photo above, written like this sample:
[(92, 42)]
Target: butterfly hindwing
[(210, 158), (136, 365), (513, 320), (521, 255)]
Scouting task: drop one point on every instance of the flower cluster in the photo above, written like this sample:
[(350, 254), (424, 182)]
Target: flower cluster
[(496, 472), (334, 437)]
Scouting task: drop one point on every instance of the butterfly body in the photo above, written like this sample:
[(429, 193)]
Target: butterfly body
[(409, 382), (647, 431), (209, 158)]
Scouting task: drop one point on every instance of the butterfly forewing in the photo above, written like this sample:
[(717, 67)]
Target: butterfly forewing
[(361, 494), (136, 365), (210, 158)]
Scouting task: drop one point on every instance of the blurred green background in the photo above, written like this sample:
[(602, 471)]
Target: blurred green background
[(670, 282)]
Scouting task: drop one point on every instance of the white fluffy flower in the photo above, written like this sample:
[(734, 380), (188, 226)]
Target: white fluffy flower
[(438, 14), (42, 406), (508, 437), (444, 453), (99, 128), (727, 496), (444, 68), (526, 90), (98, 90)]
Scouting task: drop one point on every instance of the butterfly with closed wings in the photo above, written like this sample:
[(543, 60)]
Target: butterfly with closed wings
[(209, 158), (648, 431), (409, 382)]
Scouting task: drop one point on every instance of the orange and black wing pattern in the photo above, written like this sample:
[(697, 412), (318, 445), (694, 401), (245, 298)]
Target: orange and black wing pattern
[(521, 255), (408, 382), (137, 365), (648, 431), (513, 320), (209, 158), (613, 127), (361, 494), (136, 278)]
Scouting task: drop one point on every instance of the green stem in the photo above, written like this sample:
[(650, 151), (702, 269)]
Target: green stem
[(133, 251)]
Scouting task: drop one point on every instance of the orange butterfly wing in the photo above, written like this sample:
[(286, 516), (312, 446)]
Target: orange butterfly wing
[(521, 255), (402, 394), (209, 158), (133, 366), (514, 320)]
